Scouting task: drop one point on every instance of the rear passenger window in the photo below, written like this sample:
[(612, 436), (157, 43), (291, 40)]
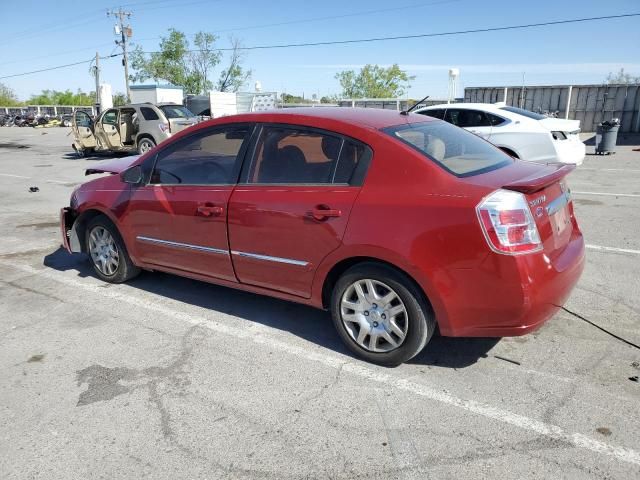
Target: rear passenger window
[(294, 156), (203, 159), (288, 155), (437, 113), (495, 120), (149, 113), (349, 169)]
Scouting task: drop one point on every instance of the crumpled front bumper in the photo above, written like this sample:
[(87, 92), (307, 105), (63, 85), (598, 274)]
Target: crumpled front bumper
[(70, 239)]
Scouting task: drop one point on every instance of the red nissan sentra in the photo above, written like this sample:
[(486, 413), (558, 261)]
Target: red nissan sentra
[(399, 224)]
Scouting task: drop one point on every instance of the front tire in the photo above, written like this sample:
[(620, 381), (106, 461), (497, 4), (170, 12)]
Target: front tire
[(144, 145), (107, 252), (380, 314)]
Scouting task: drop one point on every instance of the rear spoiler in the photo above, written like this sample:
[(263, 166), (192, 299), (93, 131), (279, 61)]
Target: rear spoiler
[(537, 181)]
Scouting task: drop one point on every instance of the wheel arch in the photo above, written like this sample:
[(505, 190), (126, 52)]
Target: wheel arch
[(80, 223), (345, 264), (142, 136)]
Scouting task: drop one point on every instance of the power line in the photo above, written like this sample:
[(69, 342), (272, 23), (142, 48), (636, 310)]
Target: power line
[(425, 35), (57, 67), (329, 17)]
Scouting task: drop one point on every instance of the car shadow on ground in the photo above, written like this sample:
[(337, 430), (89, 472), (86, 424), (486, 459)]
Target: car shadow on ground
[(306, 322)]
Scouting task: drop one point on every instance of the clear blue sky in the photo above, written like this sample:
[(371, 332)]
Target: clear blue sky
[(40, 34)]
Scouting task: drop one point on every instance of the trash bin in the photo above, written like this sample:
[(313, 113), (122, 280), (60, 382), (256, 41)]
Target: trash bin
[(606, 136)]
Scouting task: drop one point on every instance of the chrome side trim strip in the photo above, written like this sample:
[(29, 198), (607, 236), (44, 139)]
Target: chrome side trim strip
[(182, 245), (268, 258)]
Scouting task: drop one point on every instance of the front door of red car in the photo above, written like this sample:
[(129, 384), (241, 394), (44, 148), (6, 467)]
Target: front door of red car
[(179, 218), (292, 206)]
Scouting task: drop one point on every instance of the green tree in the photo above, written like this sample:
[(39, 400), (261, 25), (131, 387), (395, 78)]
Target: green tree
[(330, 99), (234, 76), (67, 97), (374, 81), (191, 69), (8, 98), (288, 98), (119, 99), (622, 77)]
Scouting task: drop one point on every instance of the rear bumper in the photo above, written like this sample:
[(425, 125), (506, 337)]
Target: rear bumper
[(512, 295)]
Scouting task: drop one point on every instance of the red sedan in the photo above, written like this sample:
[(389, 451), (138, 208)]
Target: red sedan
[(398, 224)]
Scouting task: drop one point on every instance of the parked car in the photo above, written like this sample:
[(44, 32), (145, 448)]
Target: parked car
[(129, 128), (520, 133), (398, 224), (66, 120)]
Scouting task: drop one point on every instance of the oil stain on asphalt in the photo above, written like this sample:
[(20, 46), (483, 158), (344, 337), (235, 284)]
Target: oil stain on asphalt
[(105, 383)]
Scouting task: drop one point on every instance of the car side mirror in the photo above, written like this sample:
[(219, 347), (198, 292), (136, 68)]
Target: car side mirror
[(132, 175)]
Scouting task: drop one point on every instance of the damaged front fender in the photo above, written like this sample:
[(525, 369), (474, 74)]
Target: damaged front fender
[(68, 227)]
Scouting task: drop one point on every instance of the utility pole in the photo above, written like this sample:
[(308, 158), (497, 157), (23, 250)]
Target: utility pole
[(125, 33), (96, 73)]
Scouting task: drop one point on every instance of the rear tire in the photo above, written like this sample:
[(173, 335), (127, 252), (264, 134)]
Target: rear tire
[(107, 252), (145, 144), (380, 314)]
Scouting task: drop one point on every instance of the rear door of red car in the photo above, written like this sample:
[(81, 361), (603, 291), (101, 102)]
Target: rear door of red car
[(292, 205), (178, 219)]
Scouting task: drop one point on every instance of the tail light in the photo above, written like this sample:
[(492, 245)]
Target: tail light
[(507, 223), (164, 127)]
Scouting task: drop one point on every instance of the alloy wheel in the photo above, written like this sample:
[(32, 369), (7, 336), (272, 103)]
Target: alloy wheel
[(103, 251), (374, 315)]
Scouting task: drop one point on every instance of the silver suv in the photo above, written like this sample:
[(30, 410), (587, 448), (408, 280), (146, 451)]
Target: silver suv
[(129, 128)]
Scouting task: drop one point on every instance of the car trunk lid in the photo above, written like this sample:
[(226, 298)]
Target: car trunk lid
[(561, 125)]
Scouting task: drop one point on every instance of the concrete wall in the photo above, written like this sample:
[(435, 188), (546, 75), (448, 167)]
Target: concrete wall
[(591, 104)]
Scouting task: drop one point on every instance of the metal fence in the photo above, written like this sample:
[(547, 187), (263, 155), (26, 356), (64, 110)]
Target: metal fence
[(591, 104), (385, 103), (52, 110)]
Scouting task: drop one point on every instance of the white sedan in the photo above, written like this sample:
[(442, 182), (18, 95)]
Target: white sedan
[(520, 133)]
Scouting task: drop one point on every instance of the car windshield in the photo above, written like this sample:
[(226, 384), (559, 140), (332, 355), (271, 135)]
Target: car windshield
[(176, 111), (454, 149), (524, 113)]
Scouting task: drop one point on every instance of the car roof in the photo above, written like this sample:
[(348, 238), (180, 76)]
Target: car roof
[(370, 117)]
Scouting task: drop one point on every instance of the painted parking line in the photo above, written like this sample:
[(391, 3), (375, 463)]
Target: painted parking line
[(58, 182), (612, 249), (11, 175), (261, 335), (607, 194)]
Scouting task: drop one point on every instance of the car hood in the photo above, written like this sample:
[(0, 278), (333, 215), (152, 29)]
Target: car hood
[(115, 165), (560, 125)]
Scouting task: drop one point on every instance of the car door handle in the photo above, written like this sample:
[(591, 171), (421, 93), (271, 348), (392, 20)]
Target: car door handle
[(209, 210), (323, 212)]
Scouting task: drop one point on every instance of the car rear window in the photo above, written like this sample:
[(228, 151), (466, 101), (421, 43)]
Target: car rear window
[(176, 111), (524, 113), (454, 149)]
